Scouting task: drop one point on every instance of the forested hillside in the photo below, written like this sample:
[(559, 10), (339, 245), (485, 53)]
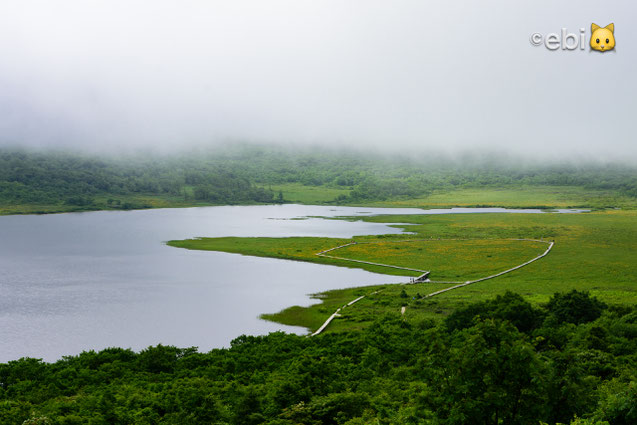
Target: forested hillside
[(498, 361), (75, 181), (62, 181)]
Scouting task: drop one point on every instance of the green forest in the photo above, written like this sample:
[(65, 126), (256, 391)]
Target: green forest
[(499, 361), (55, 181)]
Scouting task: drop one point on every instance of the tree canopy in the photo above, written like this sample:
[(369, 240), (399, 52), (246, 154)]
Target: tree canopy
[(488, 365)]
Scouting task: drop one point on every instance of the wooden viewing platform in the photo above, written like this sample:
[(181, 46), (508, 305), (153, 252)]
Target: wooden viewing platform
[(422, 278)]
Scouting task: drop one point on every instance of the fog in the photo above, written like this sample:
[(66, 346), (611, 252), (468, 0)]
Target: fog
[(398, 75)]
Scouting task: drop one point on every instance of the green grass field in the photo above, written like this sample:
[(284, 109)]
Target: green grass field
[(508, 197), (518, 197), (447, 259), (593, 252)]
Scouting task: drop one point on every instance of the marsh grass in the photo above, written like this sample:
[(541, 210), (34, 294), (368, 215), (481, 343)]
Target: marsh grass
[(447, 260), (593, 252), (517, 196)]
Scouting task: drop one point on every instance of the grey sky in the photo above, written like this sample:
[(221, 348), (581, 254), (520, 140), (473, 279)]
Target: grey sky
[(448, 75)]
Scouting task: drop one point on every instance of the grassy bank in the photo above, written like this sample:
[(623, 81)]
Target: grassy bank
[(593, 252), (544, 197), (518, 196), (101, 203)]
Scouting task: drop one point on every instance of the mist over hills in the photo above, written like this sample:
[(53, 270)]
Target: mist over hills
[(64, 180)]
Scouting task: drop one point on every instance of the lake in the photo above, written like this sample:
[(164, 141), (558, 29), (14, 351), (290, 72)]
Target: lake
[(85, 281)]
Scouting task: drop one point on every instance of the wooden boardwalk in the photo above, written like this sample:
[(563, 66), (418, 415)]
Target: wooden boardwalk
[(423, 276), (469, 282)]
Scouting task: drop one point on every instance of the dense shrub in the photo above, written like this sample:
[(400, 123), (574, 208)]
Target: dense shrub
[(488, 363)]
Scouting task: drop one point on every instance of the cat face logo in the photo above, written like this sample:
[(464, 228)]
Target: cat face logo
[(603, 39)]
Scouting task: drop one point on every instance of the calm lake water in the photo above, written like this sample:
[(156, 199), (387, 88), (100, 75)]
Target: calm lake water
[(82, 281)]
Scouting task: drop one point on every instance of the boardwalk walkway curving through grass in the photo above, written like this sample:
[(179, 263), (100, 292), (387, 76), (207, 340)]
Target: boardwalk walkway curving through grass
[(433, 294), (469, 282)]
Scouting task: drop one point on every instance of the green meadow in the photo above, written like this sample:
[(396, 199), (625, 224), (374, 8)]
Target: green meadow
[(449, 259), (517, 196), (594, 252), (511, 196)]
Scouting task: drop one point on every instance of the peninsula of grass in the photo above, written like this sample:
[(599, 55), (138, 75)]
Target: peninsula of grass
[(593, 252), (292, 248)]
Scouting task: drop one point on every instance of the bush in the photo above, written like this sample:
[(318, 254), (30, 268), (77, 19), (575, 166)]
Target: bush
[(575, 307)]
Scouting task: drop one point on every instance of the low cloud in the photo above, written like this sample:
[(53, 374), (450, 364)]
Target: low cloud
[(403, 75)]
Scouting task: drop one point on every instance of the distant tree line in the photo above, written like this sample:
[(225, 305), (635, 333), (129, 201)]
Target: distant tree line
[(502, 361), (244, 174), (75, 180)]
